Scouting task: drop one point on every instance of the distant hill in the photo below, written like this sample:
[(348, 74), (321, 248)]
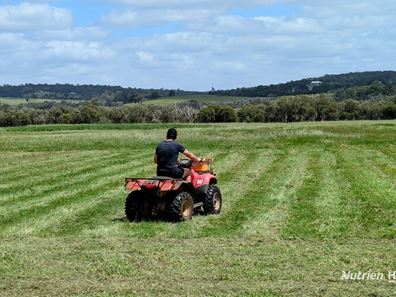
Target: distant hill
[(83, 92), (314, 85), (358, 85)]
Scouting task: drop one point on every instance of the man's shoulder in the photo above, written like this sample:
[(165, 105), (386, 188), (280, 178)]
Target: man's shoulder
[(161, 143), (170, 144)]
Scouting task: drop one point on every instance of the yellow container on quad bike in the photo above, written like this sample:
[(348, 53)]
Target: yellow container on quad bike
[(204, 166)]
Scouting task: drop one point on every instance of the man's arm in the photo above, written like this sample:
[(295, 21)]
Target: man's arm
[(191, 156), (155, 159)]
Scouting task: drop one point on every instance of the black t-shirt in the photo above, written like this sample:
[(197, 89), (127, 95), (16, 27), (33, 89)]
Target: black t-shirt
[(167, 154)]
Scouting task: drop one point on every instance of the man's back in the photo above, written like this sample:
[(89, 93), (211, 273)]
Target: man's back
[(167, 154)]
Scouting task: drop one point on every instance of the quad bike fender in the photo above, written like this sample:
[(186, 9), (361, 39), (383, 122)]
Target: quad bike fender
[(204, 180), (183, 186), (203, 189)]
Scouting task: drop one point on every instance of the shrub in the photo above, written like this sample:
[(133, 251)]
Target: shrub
[(207, 115), (251, 113)]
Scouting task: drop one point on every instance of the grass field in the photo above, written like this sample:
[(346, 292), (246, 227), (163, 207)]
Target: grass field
[(17, 101), (207, 99), (302, 203)]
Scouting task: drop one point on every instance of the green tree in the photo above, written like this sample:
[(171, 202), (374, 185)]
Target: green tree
[(207, 115), (226, 114), (251, 113)]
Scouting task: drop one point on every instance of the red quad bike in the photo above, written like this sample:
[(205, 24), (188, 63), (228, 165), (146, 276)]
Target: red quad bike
[(174, 199)]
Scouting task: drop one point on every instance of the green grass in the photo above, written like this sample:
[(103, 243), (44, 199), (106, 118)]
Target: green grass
[(207, 99), (17, 101), (302, 203)]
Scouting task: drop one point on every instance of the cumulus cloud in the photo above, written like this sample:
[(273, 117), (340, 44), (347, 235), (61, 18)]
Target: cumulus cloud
[(155, 16), (145, 56), (77, 33), (224, 4), (77, 50), (29, 16), (121, 18)]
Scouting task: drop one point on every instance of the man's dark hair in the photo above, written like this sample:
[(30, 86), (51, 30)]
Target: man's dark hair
[(171, 134)]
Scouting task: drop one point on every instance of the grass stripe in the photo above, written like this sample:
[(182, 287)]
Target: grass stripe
[(20, 168), (303, 217), (65, 197), (74, 180), (238, 209), (332, 199), (86, 213), (374, 199), (231, 168), (96, 212), (27, 221), (271, 207), (54, 174), (383, 165)]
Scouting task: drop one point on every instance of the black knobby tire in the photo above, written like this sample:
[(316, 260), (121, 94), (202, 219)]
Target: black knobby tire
[(181, 207), (138, 207), (213, 200)]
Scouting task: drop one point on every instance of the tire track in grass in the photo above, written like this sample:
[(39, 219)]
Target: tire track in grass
[(303, 216), (141, 229), (65, 197), (374, 198), (46, 188), (52, 175), (243, 199), (272, 207)]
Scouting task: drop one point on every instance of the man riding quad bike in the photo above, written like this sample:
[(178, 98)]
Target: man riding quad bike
[(178, 189)]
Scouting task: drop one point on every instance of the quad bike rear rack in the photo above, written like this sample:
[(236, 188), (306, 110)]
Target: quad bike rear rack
[(163, 183)]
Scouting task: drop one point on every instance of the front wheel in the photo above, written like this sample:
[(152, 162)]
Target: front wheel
[(213, 200), (182, 207)]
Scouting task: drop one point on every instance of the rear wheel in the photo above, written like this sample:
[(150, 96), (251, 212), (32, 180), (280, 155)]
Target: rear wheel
[(138, 207), (213, 200), (182, 207)]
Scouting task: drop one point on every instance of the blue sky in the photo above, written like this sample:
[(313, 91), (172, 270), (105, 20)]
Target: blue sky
[(192, 44)]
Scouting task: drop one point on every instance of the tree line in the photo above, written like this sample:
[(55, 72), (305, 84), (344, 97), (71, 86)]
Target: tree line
[(287, 109), (323, 84), (86, 92)]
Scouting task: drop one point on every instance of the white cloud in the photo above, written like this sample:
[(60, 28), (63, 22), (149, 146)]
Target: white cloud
[(172, 4), (145, 56), (77, 50), (29, 16), (78, 33), (121, 18), (155, 16)]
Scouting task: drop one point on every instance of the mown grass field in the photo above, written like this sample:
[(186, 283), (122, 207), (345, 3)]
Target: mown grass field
[(302, 203)]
